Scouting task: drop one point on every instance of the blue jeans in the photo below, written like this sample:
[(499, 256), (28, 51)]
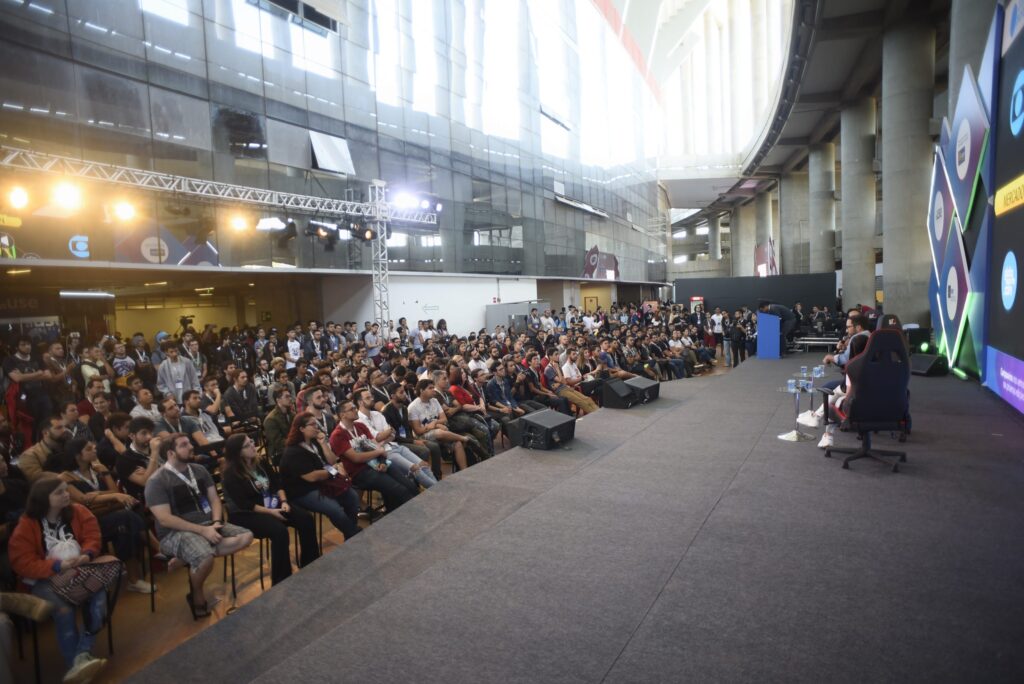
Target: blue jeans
[(342, 511), (402, 461), (70, 639)]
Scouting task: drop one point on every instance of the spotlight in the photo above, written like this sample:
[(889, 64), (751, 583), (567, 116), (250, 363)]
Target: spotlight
[(425, 204), (439, 207), (290, 231), (67, 196), (321, 232), (404, 200), (18, 197), (124, 211), (924, 347), (369, 234), (238, 222)]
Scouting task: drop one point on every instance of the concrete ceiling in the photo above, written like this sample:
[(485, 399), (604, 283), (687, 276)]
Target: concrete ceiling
[(835, 57)]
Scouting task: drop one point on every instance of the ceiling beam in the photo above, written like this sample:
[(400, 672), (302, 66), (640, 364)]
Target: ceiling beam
[(851, 26)]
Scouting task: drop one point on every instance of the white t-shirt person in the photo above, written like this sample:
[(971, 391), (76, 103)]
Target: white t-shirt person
[(424, 412), (716, 321), (294, 351)]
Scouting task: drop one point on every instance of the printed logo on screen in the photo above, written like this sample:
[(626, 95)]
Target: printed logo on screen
[(963, 149), (78, 245), (939, 216), (1017, 105), (1009, 288), (952, 293), (154, 250)]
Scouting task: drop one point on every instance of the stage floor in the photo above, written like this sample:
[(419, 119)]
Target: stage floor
[(678, 541)]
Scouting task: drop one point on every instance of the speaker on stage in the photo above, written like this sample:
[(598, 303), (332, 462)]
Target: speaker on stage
[(545, 429), (645, 389), (617, 394), (929, 364)]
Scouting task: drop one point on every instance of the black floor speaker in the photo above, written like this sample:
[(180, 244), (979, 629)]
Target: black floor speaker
[(545, 429), (645, 389), (929, 364), (617, 394)]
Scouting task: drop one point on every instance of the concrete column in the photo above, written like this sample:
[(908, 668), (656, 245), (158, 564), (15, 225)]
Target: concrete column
[(793, 217), (821, 190), (715, 85), (908, 76), (715, 238), (759, 48), (741, 233), (741, 65), (857, 149), (969, 24), (763, 210)]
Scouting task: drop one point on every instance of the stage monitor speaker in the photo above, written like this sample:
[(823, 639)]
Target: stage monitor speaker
[(645, 389), (928, 364), (617, 394), (545, 429)]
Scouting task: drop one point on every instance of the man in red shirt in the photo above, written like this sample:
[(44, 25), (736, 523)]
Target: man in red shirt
[(367, 462)]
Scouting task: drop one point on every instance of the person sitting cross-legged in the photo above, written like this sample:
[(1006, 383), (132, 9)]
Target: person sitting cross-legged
[(189, 521)]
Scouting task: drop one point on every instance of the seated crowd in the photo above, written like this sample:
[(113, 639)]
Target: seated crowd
[(202, 442)]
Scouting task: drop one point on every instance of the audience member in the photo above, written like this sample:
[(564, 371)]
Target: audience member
[(257, 501), (189, 523)]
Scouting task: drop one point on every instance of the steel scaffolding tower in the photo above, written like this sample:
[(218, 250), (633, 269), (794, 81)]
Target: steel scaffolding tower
[(377, 213)]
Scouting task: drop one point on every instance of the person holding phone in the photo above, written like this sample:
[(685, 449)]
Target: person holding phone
[(257, 501), (189, 518), (313, 477)]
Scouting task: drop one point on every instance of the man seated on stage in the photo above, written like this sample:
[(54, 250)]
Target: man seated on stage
[(189, 519)]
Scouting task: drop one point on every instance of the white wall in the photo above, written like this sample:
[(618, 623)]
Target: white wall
[(460, 300)]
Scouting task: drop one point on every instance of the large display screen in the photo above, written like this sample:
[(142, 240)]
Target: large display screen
[(1006, 303)]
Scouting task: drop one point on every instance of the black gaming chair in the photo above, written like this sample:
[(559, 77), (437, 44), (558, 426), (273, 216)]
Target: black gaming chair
[(880, 376)]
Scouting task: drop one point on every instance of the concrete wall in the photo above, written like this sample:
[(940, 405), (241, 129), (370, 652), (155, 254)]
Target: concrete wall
[(460, 300)]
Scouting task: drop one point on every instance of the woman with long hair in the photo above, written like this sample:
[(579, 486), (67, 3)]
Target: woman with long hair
[(55, 543), (91, 485), (257, 501), (314, 478)]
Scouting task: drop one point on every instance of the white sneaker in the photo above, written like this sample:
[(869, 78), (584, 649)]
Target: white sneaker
[(84, 668), (808, 419), (140, 586), (826, 441), (820, 411)]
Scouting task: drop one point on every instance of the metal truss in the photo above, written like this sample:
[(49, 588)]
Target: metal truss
[(379, 256), (25, 160)]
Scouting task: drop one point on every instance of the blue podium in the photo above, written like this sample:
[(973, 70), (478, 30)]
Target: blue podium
[(768, 336)]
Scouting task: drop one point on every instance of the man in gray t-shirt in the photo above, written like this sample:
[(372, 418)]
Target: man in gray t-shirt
[(183, 499)]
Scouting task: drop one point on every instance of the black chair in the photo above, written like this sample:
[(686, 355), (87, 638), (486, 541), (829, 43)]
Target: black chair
[(880, 376)]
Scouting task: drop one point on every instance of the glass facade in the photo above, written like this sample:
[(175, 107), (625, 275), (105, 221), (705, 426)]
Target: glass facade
[(488, 106)]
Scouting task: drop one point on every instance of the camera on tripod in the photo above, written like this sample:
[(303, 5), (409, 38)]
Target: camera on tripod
[(186, 321)]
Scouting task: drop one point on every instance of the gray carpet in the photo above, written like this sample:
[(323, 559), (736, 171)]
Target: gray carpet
[(678, 541)]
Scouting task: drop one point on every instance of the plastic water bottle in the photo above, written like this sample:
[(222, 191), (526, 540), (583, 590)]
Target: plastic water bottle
[(803, 370), (791, 385)]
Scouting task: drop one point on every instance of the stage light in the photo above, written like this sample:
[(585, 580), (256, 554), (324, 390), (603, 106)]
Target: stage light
[(439, 207), (368, 234), (404, 200), (67, 196), (924, 347), (269, 224), (238, 222), (424, 204), (18, 197), (124, 211), (321, 232)]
